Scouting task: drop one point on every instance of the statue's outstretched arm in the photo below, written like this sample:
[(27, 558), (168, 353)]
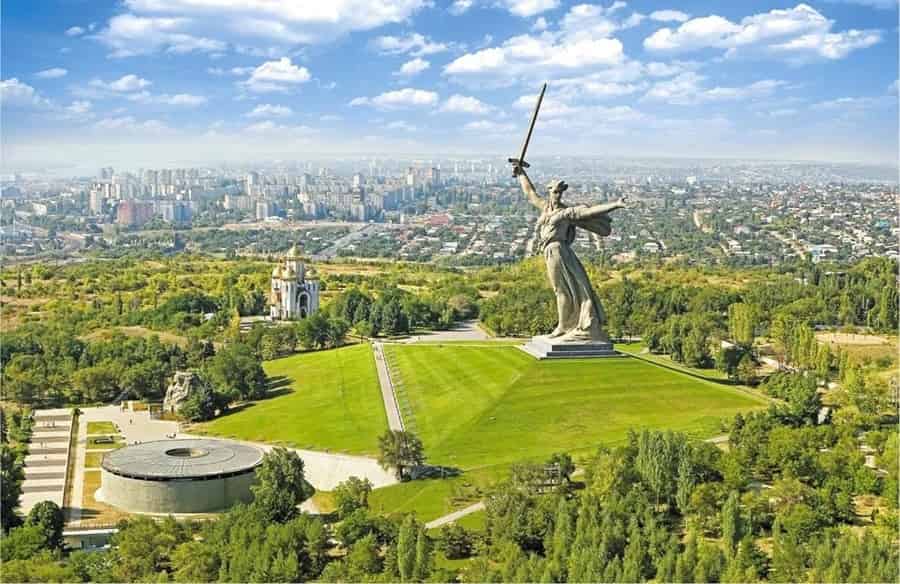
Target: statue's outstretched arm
[(528, 188), (603, 208)]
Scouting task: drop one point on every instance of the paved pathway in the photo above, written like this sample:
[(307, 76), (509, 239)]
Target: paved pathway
[(391, 407), (451, 517), (47, 459)]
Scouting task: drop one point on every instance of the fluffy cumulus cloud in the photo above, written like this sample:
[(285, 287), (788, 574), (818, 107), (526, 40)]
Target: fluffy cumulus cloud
[(128, 35), (399, 99), (413, 67), (74, 31), (465, 104), (414, 44), (52, 73), (182, 26), (277, 75), (17, 94), (269, 111), (689, 88), (528, 8), (797, 34), (583, 40), (123, 84), (669, 16)]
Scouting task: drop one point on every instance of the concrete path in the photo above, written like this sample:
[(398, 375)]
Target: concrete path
[(47, 459), (391, 407), (451, 517)]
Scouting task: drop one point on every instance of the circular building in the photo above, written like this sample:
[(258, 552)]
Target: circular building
[(179, 476)]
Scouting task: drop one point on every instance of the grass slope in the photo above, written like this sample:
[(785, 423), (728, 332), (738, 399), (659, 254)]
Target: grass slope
[(334, 404), (484, 406)]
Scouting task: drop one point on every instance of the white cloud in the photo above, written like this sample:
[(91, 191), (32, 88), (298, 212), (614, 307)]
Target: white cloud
[(123, 84), (14, 93), (276, 76), (414, 67), (460, 7), (536, 55), (270, 127), (52, 73), (74, 31), (79, 107), (401, 98), (464, 104), (330, 118), (528, 8), (178, 100), (669, 16), (401, 125), (894, 87), (130, 124), (211, 26), (540, 24), (129, 35), (853, 104), (583, 41), (415, 44), (269, 111), (489, 126), (182, 99), (798, 34), (239, 71), (688, 89)]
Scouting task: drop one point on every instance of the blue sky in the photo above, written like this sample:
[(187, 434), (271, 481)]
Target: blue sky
[(162, 82)]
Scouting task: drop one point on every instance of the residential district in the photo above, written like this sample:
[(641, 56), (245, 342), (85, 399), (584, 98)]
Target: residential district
[(457, 211)]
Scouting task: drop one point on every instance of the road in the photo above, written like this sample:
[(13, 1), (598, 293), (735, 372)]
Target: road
[(451, 517), (391, 407), (341, 243)]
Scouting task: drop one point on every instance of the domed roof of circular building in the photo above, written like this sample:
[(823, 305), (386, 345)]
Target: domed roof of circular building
[(182, 459)]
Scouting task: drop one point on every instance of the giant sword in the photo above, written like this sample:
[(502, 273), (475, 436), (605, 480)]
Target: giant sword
[(520, 161)]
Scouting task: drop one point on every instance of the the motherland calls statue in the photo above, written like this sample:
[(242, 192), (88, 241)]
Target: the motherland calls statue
[(581, 328), (581, 317)]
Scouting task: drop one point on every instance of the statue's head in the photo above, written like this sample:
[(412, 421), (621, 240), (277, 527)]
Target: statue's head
[(557, 187)]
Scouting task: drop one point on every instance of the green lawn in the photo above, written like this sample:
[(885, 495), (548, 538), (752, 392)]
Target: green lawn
[(101, 428), (334, 403), (483, 406)]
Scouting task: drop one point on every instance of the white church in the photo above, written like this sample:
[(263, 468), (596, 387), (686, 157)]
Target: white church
[(293, 296)]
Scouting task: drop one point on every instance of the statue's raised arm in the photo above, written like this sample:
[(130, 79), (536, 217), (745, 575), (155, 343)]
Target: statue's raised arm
[(528, 187)]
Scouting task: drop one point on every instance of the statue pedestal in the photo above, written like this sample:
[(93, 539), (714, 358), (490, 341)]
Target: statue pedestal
[(544, 347)]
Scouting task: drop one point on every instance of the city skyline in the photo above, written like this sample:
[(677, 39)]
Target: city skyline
[(146, 82)]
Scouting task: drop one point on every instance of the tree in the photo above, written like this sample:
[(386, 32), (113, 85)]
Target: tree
[(732, 525), (406, 549), (400, 450), (281, 485), (11, 477), (49, 518), (746, 369), (455, 541), (351, 495), (235, 371), (22, 543), (202, 403), (742, 324)]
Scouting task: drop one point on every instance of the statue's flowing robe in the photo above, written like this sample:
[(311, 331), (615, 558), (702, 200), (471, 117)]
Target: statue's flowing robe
[(581, 316)]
